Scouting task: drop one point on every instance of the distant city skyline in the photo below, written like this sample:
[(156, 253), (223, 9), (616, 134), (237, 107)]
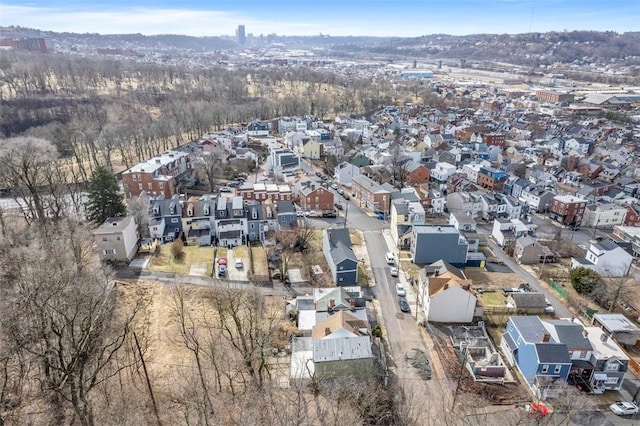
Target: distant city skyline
[(403, 18)]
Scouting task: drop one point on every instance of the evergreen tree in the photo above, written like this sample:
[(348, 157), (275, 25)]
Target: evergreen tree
[(104, 197)]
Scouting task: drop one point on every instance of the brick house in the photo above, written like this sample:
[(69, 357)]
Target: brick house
[(371, 194), (632, 218), (156, 176), (492, 179), (415, 173), (567, 209), (494, 139), (313, 196), (265, 191)]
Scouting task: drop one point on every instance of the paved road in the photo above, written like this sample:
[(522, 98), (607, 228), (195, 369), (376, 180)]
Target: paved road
[(403, 335)]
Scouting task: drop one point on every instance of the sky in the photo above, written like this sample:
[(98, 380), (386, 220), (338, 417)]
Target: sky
[(403, 18)]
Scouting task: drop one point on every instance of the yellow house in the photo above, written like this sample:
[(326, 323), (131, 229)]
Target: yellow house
[(311, 149)]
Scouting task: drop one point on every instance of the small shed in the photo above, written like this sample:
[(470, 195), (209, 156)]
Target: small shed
[(527, 302)]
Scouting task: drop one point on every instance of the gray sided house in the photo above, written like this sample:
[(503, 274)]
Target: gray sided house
[(199, 221), (286, 213), (336, 245), (431, 243), (165, 219)]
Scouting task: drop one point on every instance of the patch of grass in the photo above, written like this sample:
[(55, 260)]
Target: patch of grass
[(259, 255), (315, 243), (222, 252), (363, 276), (241, 251), (492, 298), (166, 263), (356, 238)]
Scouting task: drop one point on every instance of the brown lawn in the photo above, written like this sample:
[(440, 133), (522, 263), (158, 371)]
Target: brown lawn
[(165, 262)]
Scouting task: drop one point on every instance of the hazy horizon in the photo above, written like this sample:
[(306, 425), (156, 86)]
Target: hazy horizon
[(409, 18)]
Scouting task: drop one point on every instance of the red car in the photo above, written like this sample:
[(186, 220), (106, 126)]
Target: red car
[(222, 261)]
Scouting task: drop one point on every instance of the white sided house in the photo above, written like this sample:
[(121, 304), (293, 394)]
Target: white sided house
[(445, 295), (117, 239)]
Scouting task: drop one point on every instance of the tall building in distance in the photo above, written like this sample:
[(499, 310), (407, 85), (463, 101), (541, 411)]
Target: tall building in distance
[(240, 35)]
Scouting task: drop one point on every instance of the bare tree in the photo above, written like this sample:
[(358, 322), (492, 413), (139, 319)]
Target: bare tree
[(25, 167), (63, 313)]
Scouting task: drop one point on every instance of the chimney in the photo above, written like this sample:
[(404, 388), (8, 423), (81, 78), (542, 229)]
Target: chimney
[(332, 303), (546, 337), (585, 333), (604, 337), (327, 331)]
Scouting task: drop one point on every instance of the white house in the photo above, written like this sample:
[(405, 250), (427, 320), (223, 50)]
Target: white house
[(538, 199), (442, 172), (117, 239), (508, 230), (344, 173), (604, 216), (605, 257), (445, 295)]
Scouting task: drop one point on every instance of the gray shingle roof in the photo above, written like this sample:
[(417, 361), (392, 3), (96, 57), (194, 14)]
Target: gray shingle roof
[(530, 327), (553, 353), (570, 334)]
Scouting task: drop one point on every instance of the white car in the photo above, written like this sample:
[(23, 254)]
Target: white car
[(334, 186), (623, 408), (311, 213), (394, 271), (299, 213), (239, 263), (400, 291)]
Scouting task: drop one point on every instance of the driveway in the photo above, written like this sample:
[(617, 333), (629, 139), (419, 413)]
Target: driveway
[(233, 273)]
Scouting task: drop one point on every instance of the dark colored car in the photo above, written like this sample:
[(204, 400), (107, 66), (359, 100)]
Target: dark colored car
[(318, 174), (404, 305), (338, 206), (329, 214)]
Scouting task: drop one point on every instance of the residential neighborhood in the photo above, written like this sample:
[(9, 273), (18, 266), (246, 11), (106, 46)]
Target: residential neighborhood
[(485, 246)]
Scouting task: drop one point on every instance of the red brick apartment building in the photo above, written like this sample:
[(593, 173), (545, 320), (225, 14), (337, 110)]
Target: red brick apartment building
[(567, 209), (554, 96), (494, 139), (371, 194), (156, 176), (313, 196), (492, 179), (265, 191)]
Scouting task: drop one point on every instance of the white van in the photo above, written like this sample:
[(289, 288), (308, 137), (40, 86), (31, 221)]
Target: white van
[(389, 258)]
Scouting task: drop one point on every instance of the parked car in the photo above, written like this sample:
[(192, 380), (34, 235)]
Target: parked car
[(319, 174), (509, 290), (346, 196), (394, 271), (299, 213), (233, 185), (239, 263), (338, 206), (324, 177), (311, 213), (334, 186), (340, 191), (222, 270), (404, 305), (225, 189), (400, 291), (329, 214), (623, 408), (390, 258)]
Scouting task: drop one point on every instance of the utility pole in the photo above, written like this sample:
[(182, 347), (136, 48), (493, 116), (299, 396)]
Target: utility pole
[(346, 212)]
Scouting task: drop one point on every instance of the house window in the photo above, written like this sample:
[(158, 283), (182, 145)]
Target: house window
[(161, 185), (118, 238), (175, 220), (105, 239), (109, 251), (150, 185), (545, 368), (612, 366), (133, 178), (583, 354), (557, 369), (611, 380), (140, 186)]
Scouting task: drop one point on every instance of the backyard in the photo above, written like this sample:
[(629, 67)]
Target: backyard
[(165, 262)]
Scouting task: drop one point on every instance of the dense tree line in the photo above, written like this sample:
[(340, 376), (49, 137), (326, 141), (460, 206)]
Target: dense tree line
[(95, 111)]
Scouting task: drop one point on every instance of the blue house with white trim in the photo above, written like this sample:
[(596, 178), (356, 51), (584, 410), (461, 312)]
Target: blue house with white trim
[(543, 362)]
